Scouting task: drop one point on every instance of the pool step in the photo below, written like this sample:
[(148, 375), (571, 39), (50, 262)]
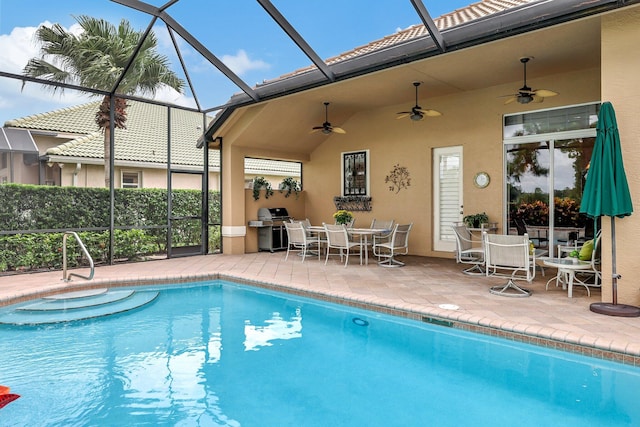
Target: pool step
[(76, 306), (74, 302)]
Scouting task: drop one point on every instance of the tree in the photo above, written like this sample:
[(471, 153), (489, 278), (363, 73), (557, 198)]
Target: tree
[(96, 59)]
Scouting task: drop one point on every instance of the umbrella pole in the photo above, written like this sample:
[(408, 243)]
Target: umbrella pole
[(614, 275), (614, 309)]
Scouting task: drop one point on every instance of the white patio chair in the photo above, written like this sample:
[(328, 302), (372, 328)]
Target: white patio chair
[(397, 245), (468, 251), (338, 238), (508, 255), (584, 276), (298, 240), (381, 238)]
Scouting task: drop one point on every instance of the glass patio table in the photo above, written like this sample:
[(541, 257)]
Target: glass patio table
[(566, 271)]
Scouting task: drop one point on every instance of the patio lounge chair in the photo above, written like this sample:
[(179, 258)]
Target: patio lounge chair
[(508, 256), (468, 251)]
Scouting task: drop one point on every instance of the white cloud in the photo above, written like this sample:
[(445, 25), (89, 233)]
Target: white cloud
[(240, 63), (17, 48), (170, 95), (15, 101)]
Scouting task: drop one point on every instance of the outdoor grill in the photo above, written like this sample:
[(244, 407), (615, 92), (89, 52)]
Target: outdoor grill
[(272, 234)]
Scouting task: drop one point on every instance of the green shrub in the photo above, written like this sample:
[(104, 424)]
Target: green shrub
[(140, 218)]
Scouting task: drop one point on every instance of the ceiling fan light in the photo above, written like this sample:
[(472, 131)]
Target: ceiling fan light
[(416, 117), (326, 131), (525, 99)]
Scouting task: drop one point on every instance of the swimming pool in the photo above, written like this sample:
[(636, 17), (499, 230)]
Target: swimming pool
[(224, 354)]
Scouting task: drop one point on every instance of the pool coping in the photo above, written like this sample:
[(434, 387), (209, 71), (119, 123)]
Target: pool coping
[(626, 353)]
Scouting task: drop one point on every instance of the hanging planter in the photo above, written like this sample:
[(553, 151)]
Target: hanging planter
[(290, 185), (259, 183)]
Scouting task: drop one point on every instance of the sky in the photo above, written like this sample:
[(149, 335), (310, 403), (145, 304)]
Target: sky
[(240, 33)]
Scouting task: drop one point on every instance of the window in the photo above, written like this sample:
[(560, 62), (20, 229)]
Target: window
[(355, 173), (131, 180), (547, 156), (3, 160)]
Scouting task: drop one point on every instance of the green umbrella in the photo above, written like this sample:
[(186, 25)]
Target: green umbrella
[(606, 193)]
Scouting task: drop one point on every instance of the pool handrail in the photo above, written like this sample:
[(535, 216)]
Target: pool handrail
[(66, 277)]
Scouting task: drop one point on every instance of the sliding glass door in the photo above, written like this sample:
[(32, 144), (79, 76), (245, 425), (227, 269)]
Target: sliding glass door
[(545, 175)]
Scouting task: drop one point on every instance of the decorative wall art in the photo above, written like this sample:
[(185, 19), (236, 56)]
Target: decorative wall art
[(398, 178), (355, 173)]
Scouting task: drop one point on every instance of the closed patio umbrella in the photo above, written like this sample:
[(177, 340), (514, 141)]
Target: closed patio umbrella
[(606, 193)]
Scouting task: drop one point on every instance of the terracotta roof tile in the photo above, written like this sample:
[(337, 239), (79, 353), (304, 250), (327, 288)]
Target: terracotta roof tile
[(144, 140), (457, 17)]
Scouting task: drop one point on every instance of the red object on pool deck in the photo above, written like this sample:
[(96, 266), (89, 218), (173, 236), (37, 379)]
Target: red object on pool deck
[(7, 398)]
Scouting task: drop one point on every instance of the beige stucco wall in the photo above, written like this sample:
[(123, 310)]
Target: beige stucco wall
[(472, 120), (620, 68), (295, 208), (93, 176)]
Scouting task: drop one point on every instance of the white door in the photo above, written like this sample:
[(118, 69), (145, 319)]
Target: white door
[(447, 195)]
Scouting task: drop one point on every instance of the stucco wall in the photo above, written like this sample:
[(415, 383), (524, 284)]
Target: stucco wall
[(472, 120), (295, 207), (620, 68)]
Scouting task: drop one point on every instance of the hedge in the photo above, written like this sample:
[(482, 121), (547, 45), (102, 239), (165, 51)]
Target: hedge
[(33, 218)]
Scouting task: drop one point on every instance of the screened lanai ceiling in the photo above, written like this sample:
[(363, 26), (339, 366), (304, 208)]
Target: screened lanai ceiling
[(245, 52)]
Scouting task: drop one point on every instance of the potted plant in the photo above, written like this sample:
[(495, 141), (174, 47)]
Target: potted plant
[(476, 220), (343, 217), (290, 185), (259, 183)]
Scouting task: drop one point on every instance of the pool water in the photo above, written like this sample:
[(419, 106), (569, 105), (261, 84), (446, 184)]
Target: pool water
[(221, 354)]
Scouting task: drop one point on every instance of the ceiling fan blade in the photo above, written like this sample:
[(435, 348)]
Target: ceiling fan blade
[(403, 114), (537, 99), (510, 100), (338, 130), (545, 93), (430, 113)]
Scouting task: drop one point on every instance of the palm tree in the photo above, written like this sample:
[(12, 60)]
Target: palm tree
[(96, 59)]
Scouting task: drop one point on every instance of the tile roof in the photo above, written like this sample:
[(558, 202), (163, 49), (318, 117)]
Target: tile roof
[(450, 20), (144, 140)]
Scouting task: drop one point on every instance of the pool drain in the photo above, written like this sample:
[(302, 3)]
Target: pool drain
[(360, 322)]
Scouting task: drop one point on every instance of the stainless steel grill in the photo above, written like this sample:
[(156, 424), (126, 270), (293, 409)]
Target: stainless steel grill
[(272, 234)]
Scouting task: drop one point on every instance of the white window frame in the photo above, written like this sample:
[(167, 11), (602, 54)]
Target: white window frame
[(129, 172)]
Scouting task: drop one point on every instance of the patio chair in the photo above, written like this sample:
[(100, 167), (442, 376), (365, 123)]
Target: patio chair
[(536, 235), (468, 251), (381, 238), (591, 271), (508, 256), (298, 240), (397, 245), (338, 238)]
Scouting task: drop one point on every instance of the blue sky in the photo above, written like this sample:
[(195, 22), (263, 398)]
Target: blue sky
[(238, 32)]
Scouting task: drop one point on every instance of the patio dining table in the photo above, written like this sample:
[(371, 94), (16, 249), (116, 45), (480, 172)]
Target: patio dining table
[(362, 233)]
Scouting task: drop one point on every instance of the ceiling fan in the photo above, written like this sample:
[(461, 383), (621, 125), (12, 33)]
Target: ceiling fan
[(417, 112), (525, 94), (326, 127)]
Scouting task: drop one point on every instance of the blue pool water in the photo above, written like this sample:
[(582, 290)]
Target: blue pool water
[(222, 354)]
